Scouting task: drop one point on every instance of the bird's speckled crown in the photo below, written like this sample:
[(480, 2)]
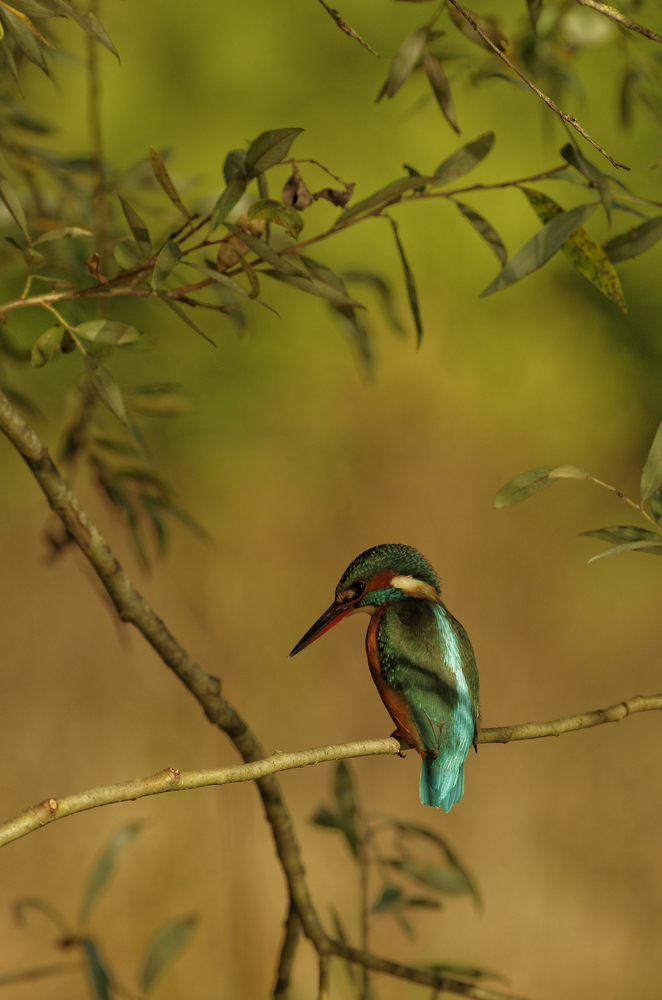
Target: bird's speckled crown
[(402, 559)]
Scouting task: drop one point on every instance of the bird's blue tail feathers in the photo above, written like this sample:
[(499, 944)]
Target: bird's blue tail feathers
[(441, 784)]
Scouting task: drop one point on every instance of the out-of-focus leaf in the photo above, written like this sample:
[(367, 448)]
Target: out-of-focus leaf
[(46, 347), (137, 227), (346, 805), (524, 486), (627, 533), (87, 20), (166, 945), (234, 165), (385, 196), (24, 32), (119, 447), (166, 262), (58, 234), (29, 7), (412, 292), (251, 274), (8, 54), (264, 251), (628, 547), (423, 901), (634, 242), (355, 328), (128, 255), (463, 160), (450, 881), (163, 177), (323, 817), (158, 404), (218, 276), (583, 252), (108, 331), (384, 293), (405, 59), (99, 978), (175, 306), (413, 172), (314, 287), (540, 248), (269, 149), (275, 211), (13, 205), (440, 88), (389, 897), (535, 10), (651, 477), (105, 865), (336, 197), (486, 25), (484, 229), (655, 501), (446, 850), (32, 258), (591, 173), (622, 207), (226, 202), (106, 387)]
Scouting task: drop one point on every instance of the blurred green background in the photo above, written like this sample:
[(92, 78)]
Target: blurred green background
[(295, 463)]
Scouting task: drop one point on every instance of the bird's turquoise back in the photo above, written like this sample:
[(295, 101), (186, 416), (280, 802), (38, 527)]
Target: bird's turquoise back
[(425, 655)]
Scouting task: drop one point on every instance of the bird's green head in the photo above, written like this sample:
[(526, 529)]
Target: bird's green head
[(381, 575)]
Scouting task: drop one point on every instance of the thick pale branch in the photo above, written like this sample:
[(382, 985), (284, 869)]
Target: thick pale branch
[(568, 119), (615, 15), (172, 780)]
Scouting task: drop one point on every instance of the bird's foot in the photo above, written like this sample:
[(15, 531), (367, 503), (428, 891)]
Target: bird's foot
[(404, 743)]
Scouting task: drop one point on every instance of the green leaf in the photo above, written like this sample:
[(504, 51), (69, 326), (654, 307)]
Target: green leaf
[(486, 25), (385, 196), (405, 59), (629, 547), (440, 88), (175, 306), (389, 897), (384, 292), (412, 292), (484, 229), (269, 149), (235, 165), (655, 501), (163, 177), (651, 477), (323, 817), (106, 387), (166, 262), (447, 852), (23, 36), (535, 10), (58, 234), (137, 227), (226, 202), (634, 242), (87, 20), (569, 472), (599, 180), (276, 211), (583, 252), (105, 865), (413, 172), (45, 348), (13, 205), (128, 255), (264, 251), (166, 945), (538, 250), (99, 978), (524, 486), (463, 160), (346, 805), (220, 277), (108, 331), (450, 881), (314, 287), (620, 535)]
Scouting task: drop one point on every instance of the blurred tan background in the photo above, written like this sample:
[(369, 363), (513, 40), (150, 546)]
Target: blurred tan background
[(295, 464)]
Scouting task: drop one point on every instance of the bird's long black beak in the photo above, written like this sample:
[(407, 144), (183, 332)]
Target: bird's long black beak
[(331, 617)]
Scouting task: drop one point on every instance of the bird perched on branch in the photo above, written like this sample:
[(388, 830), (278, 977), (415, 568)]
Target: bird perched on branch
[(420, 659)]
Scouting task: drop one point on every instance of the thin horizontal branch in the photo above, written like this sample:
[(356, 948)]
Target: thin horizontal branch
[(568, 119), (101, 292), (346, 28), (615, 15), (172, 780), (38, 972)]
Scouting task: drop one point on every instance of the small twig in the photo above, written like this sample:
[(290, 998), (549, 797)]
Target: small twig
[(615, 15), (543, 97), (96, 145), (323, 992), (322, 167), (287, 953), (346, 28), (39, 972)]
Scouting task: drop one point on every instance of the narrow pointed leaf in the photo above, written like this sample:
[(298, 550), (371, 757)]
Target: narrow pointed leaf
[(346, 805), (269, 149), (314, 287), (108, 331), (105, 866), (13, 205), (583, 252), (175, 306), (627, 533), (655, 501), (535, 10), (629, 547), (99, 978), (58, 234), (323, 817), (440, 88), (389, 897), (484, 229), (540, 248), (128, 255), (385, 196), (487, 26), (234, 165), (634, 242), (450, 881), (413, 172), (464, 159), (264, 251), (166, 262), (384, 292), (276, 211), (226, 202), (163, 177), (137, 227), (106, 387), (576, 159), (651, 477), (23, 36), (220, 277), (524, 486), (569, 472), (251, 274), (164, 948), (46, 347), (405, 59), (412, 291)]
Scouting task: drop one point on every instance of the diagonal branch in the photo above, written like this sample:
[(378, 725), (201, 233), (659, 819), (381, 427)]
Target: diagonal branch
[(615, 15), (346, 28), (568, 119), (172, 780)]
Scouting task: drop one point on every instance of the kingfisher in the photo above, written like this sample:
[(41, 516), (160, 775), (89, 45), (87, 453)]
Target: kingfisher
[(420, 659)]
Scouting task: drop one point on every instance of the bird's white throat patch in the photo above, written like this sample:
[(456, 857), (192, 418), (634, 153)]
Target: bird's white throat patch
[(415, 588)]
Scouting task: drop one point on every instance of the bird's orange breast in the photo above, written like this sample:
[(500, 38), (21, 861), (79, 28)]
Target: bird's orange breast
[(394, 701)]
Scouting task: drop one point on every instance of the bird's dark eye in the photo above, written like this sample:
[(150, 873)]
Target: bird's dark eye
[(358, 587)]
